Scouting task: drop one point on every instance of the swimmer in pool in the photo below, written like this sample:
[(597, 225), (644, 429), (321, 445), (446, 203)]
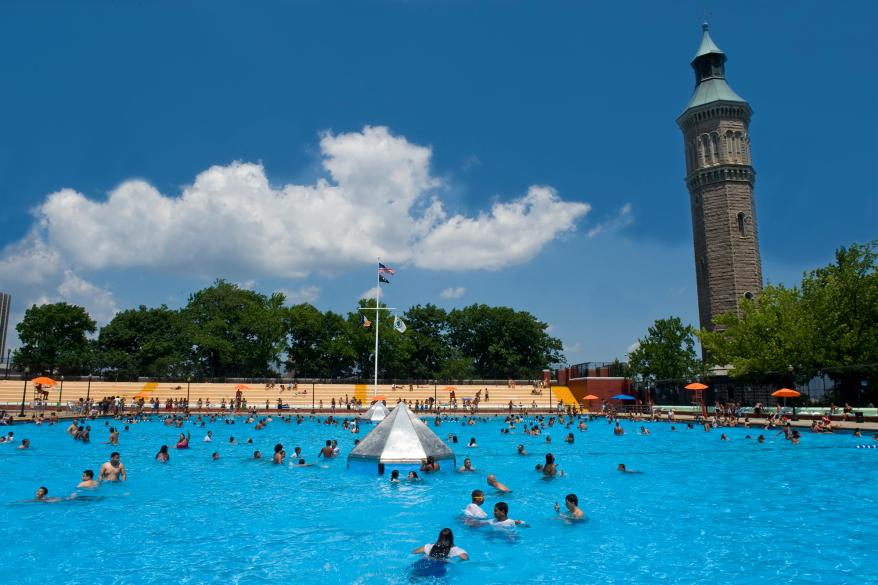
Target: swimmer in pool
[(183, 441), (521, 450), (501, 516), (163, 456), (467, 466), (114, 469), (327, 451), (279, 454), (25, 444), (500, 487), (257, 455), (622, 469), (571, 502), (394, 476), (88, 480), (443, 548), (474, 508), (42, 492), (413, 476)]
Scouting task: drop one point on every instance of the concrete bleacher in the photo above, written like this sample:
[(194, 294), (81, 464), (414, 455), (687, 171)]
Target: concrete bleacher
[(257, 394)]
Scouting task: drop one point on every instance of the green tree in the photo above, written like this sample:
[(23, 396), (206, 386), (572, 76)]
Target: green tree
[(666, 353), (772, 335), (393, 348), (233, 331), (319, 343), (54, 336), (829, 324), (502, 342), (145, 342), (427, 338)]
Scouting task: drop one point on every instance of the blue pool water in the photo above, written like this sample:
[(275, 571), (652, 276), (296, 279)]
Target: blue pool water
[(702, 511)]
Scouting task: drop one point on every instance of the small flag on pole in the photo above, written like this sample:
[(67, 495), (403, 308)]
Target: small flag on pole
[(398, 324), (365, 322), (382, 279), (382, 269)]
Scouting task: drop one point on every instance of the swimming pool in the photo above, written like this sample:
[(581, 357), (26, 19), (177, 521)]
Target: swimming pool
[(702, 511)]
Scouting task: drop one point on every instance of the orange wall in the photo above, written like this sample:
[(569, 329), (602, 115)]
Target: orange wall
[(604, 388)]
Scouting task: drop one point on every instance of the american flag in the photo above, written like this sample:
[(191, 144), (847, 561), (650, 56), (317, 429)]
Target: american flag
[(382, 269)]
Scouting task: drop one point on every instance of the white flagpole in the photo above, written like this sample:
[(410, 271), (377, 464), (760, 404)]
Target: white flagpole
[(377, 311)]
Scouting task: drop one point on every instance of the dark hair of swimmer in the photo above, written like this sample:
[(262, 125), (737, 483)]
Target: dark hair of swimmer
[(443, 544), (549, 458), (278, 448), (572, 498), (164, 449), (89, 473), (477, 493), (114, 454), (502, 507), (301, 462), (394, 474)]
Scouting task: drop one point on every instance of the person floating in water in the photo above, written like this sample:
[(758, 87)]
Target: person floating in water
[(394, 476), (622, 469), (571, 502), (500, 487), (42, 492), (429, 465), (443, 549), (114, 469)]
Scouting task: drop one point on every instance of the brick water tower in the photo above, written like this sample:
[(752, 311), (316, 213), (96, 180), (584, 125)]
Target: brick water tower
[(720, 178)]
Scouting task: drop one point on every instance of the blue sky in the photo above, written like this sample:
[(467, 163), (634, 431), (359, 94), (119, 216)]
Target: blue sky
[(508, 153)]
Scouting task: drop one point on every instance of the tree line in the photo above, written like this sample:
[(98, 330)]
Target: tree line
[(828, 324), (225, 331)]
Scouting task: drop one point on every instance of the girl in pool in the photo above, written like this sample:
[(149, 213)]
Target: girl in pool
[(443, 549), (472, 442), (163, 456)]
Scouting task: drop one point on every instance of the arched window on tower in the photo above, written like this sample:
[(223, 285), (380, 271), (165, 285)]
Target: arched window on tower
[(739, 155), (714, 145), (706, 149), (742, 224)]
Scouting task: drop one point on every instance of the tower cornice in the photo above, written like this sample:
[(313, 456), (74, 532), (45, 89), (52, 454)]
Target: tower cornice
[(721, 174), (719, 110)]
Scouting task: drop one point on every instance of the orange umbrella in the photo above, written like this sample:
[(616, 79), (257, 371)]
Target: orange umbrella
[(44, 381), (379, 398), (695, 386), (786, 393), (449, 388), (242, 387), (590, 397)]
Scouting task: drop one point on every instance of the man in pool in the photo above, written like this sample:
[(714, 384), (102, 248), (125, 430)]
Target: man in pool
[(501, 516), (88, 480), (42, 492), (326, 452), (622, 469), (114, 469), (474, 509), (467, 466), (571, 502), (500, 487)]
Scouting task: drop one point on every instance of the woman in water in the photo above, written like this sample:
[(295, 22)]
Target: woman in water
[(183, 441), (443, 549), (163, 456)]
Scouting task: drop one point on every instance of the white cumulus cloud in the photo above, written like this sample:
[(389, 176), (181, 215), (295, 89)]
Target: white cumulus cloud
[(377, 198), (453, 292)]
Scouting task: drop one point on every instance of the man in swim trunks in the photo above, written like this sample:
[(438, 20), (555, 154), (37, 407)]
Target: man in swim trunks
[(114, 469), (88, 480)]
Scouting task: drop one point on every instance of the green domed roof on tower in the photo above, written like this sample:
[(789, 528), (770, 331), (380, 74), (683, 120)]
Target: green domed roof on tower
[(710, 82)]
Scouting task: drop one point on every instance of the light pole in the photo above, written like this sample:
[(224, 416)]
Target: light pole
[(435, 397), (88, 390), (188, 382), (8, 359), (60, 391), (24, 391)]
